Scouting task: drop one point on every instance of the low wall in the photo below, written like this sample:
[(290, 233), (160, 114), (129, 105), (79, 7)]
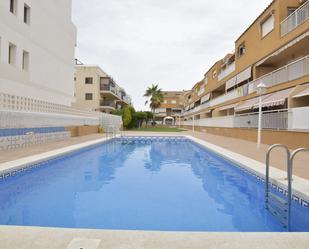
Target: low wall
[(293, 139), (77, 131)]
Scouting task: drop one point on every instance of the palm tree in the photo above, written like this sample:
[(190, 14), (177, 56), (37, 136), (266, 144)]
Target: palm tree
[(155, 98)]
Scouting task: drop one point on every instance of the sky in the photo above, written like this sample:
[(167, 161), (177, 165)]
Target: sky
[(167, 42)]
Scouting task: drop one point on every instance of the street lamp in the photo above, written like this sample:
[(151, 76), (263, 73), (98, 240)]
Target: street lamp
[(260, 90)]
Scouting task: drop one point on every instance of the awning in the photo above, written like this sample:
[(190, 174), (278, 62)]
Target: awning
[(244, 75), (302, 93), (275, 99), (230, 83), (205, 98), (271, 99), (246, 105), (222, 108)]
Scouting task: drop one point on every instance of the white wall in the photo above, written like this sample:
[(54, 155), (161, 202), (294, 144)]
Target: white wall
[(300, 118), (50, 40), (227, 121)]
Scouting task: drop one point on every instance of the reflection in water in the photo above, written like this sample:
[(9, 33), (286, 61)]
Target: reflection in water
[(154, 186)]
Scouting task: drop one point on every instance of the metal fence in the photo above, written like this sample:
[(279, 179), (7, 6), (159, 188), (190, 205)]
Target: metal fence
[(298, 17), (278, 120)]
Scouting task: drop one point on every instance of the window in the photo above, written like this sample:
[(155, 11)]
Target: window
[(12, 54), (88, 96), (88, 80), (241, 50), (214, 73), (291, 11), (74, 78), (165, 101), (13, 6), (25, 61), (268, 25), (26, 14), (174, 101)]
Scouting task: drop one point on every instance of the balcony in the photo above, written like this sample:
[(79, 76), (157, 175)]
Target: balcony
[(278, 120), (108, 103), (292, 71), (298, 17), (110, 88), (116, 91), (226, 97), (228, 70)]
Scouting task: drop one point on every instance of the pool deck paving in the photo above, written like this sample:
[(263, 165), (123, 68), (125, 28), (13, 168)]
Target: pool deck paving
[(12, 237), (58, 238)]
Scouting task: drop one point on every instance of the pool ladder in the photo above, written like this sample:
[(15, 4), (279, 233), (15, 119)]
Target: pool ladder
[(280, 206), (111, 130)]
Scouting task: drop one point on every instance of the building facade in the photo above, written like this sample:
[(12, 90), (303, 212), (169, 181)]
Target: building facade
[(273, 50), (97, 91), (171, 109), (37, 45)]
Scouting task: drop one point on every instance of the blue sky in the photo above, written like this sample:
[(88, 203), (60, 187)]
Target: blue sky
[(167, 42)]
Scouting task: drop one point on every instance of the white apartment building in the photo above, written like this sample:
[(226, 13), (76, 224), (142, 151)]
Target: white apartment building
[(37, 43)]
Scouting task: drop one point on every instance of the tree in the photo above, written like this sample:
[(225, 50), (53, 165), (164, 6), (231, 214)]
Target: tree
[(126, 117), (140, 117), (155, 98)]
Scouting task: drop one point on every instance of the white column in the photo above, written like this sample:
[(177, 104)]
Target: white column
[(260, 123)]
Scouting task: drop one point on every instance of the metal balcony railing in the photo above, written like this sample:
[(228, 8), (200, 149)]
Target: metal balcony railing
[(270, 120), (292, 71), (298, 17), (108, 103)]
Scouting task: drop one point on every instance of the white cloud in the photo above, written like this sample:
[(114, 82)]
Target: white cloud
[(170, 43)]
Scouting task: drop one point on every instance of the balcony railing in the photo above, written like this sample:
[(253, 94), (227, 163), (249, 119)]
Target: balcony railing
[(292, 71), (226, 97), (298, 17), (270, 120), (229, 69), (108, 103), (116, 90)]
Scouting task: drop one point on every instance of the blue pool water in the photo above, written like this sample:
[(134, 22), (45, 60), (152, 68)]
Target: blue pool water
[(166, 186)]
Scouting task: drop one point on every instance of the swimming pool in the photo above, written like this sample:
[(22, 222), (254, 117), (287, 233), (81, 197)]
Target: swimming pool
[(165, 184)]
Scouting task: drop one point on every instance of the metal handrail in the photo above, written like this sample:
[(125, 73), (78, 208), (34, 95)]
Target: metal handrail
[(291, 160), (289, 178)]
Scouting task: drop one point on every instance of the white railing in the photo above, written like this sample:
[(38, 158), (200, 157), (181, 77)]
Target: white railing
[(298, 17), (22, 112), (278, 119), (226, 121), (229, 69), (226, 97), (24, 104), (292, 71)]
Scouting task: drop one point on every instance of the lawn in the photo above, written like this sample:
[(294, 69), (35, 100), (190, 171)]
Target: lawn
[(158, 129)]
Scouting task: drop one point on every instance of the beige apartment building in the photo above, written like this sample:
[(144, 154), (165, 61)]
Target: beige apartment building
[(273, 50), (171, 109), (97, 91)]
